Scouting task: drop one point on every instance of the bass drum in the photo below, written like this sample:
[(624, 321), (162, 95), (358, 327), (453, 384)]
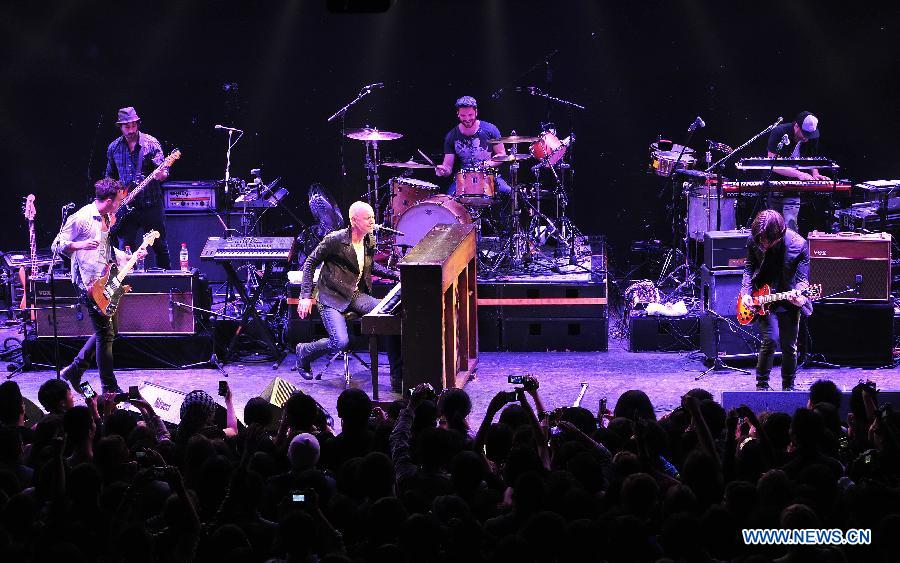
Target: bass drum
[(421, 217)]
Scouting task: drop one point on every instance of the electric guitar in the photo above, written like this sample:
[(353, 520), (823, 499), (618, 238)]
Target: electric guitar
[(29, 210), (763, 297), (124, 207), (106, 291)]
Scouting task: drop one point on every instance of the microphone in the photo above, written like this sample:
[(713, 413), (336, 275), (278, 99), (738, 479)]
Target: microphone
[(379, 228), (778, 122), (69, 205), (217, 126), (785, 141), (372, 86), (697, 124), (533, 90)]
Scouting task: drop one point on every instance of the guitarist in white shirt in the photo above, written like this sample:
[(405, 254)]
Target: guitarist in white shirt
[(85, 239), (779, 257)]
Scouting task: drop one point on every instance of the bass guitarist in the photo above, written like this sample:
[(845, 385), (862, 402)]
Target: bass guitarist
[(85, 238), (129, 158), (779, 257)]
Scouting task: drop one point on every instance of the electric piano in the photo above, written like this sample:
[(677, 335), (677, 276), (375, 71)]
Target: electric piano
[(737, 187), (436, 310)]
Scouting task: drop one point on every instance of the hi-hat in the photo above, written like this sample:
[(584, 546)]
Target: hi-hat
[(407, 164), (510, 157), (512, 139), (369, 134)]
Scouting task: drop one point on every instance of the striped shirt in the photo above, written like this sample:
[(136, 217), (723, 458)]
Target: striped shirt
[(87, 264), (127, 166)]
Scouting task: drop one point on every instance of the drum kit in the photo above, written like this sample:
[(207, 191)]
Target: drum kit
[(412, 206)]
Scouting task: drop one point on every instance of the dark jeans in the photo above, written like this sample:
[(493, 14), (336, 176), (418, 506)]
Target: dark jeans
[(785, 328), (339, 339), (100, 345), (143, 220)]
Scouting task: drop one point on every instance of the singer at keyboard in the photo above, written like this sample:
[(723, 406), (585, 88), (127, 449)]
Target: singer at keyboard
[(797, 139), (344, 286)]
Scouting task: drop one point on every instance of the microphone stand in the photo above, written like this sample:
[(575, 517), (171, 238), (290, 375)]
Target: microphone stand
[(64, 214)]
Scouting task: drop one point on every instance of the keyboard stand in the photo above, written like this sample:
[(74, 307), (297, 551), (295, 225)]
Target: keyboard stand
[(250, 311)]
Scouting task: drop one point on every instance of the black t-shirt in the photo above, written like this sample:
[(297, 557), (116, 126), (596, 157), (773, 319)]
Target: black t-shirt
[(471, 150), (807, 148)]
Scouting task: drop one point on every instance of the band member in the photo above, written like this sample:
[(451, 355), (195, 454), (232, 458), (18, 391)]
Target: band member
[(468, 142), (344, 285), (130, 158), (803, 142), (779, 257), (85, 239)]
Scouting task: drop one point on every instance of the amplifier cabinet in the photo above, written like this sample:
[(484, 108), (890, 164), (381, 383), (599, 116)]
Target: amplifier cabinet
[(721, 289), (861, 262), (159, 303), (725, 249)]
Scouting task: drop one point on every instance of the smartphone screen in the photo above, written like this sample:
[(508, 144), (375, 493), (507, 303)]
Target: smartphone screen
[(133, 392), (298, 497), (516, 379), (87, 390), (223, 388)]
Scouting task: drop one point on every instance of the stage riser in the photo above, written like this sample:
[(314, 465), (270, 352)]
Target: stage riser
[(790, 401), (150, 352), (532, 317)]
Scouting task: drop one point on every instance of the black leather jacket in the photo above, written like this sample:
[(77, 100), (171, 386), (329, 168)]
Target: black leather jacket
[(794, 271), (340, 270)]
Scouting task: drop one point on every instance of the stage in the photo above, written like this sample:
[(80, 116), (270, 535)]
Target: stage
[(663, 376)]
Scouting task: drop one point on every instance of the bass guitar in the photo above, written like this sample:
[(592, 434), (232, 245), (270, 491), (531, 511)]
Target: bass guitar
[(107, 290), (124, 207), (29, 211), (763, 298)]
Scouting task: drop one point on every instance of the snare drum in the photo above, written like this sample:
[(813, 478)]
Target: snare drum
[(406, 192), (416, 221), (475, 187), (549, 147), (703, 211)]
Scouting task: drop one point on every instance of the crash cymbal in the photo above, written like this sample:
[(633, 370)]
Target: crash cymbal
[(513, 139), (369, 134), (510, 157), (407, 164)]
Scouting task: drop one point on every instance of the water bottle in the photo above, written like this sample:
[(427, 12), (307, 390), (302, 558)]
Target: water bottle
[(183, 258), (140, 264), (127, 252)]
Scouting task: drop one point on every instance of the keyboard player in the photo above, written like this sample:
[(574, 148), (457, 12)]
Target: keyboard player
[(797, 139), (344, 286)]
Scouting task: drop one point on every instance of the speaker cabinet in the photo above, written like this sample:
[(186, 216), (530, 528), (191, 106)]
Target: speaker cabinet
[(159, 303), (721, 289), (857, 334), (857, 261)]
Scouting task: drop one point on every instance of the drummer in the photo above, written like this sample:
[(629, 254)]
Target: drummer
[(469, 142)]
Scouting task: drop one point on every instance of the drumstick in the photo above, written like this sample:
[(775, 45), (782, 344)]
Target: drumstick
[(425, 156)]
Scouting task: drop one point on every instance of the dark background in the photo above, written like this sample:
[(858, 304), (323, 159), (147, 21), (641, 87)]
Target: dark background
[(642, 69)]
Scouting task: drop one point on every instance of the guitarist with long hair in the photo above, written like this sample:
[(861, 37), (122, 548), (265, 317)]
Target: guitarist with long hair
[(777, 257), (85, 239)]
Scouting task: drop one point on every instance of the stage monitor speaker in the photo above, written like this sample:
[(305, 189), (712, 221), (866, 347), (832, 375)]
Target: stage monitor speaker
[(856, 334), (789, 401), (277, 393), (167, 403), (861, 262)]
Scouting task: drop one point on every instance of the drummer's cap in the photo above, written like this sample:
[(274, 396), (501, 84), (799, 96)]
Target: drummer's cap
[(466, 102), (809, 124)]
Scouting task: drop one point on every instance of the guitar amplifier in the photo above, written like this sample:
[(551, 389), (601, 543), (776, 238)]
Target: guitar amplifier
[(725, 249), (856, 261), (159, 303), (189, 195)]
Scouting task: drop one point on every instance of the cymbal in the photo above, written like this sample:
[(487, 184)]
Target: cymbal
[(513, 139), (368, 134), (510, 157), (407, 164)]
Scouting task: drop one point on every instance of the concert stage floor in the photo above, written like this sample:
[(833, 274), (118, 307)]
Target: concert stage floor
[(663, 376)]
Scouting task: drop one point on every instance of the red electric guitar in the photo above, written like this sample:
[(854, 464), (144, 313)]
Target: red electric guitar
[(29, 211), (763, 297)]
